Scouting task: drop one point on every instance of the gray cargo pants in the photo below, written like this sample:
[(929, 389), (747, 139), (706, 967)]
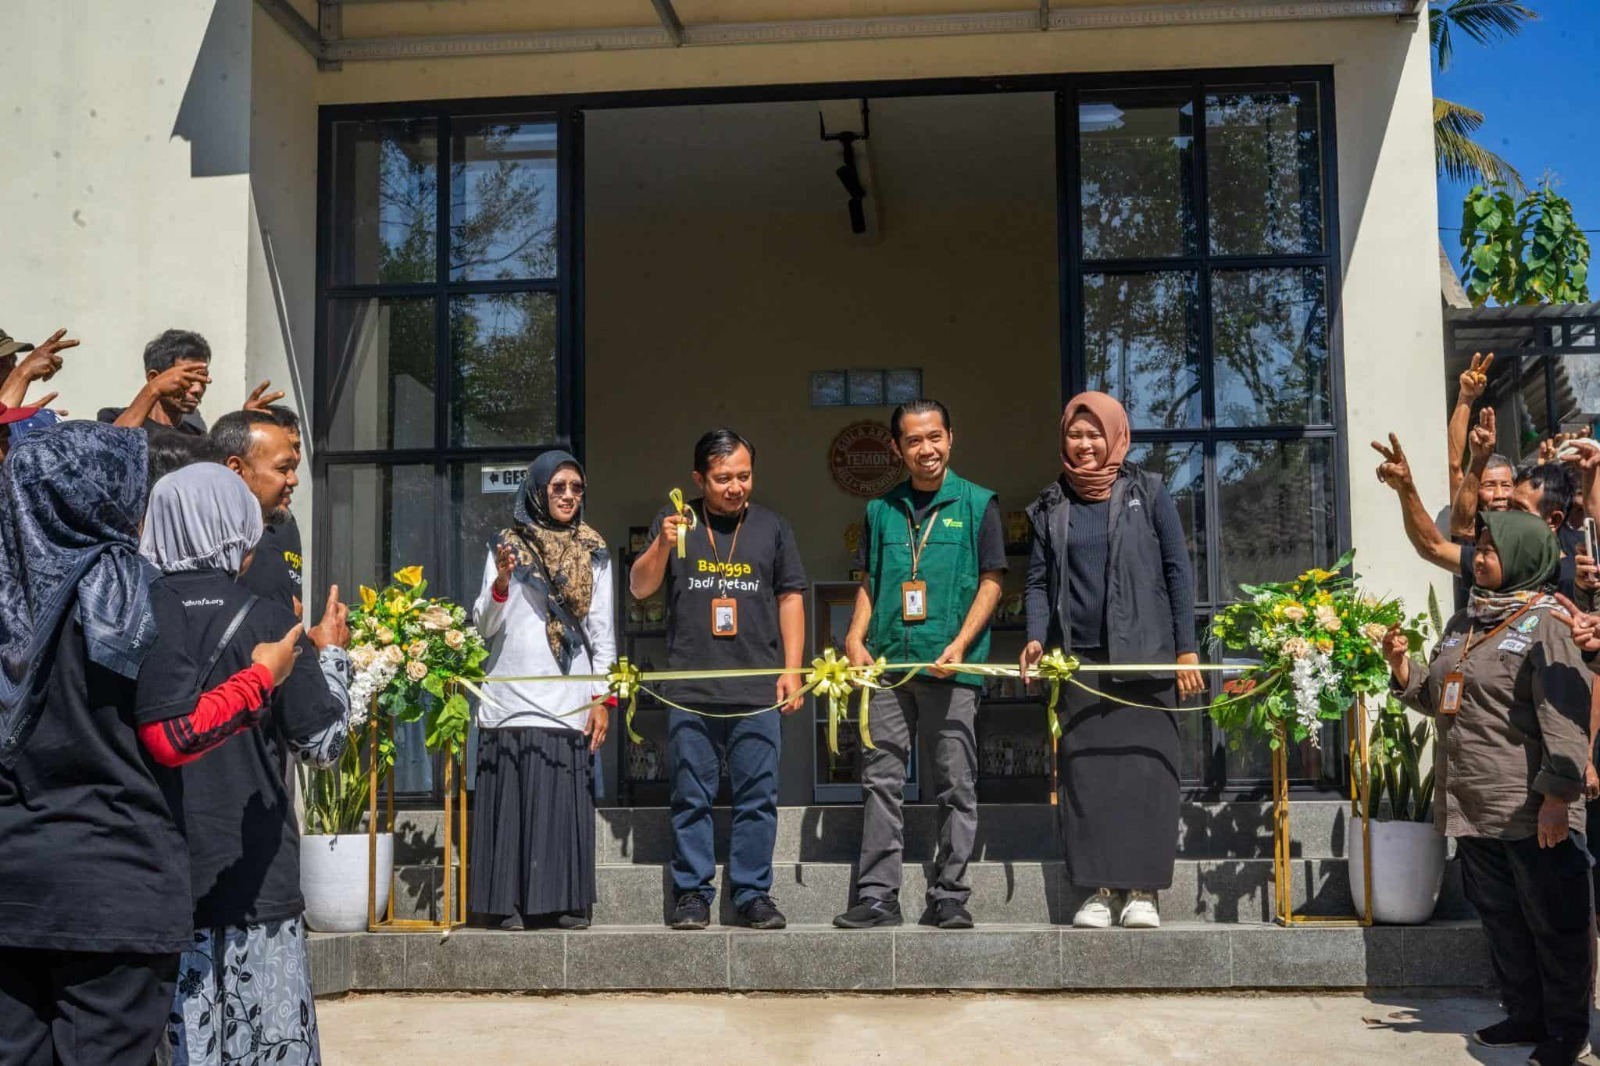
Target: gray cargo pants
[(894, 717)]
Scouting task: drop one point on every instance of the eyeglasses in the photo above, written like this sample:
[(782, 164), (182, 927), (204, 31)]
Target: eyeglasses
[(566, 488)]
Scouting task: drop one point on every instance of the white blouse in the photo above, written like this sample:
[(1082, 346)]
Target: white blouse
[(519, 646)]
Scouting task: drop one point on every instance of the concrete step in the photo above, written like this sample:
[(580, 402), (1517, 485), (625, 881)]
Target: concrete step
[(1006, 832), (1021, 892), (1441, 955)]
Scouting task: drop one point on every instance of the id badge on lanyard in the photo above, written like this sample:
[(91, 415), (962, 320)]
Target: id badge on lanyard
[(914, 593), (1455, 682)]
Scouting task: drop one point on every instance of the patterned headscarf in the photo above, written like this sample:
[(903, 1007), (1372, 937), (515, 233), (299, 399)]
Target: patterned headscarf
[(554, 559), (1096, 484), (201, 517), (69, 524)]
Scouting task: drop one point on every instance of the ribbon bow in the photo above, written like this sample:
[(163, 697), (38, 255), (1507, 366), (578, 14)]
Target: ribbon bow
[(830, 678), (675, 498), (1053, 669), (623, 681)]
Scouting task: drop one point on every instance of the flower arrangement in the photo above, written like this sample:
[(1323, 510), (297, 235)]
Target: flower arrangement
[(408, 651), (1318, 639)]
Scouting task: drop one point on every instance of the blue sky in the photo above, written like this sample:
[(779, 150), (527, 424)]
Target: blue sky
[(1540, 95)]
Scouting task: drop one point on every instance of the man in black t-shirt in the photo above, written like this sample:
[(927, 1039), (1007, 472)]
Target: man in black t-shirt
[(735, 600), (177, 368), (278, 567)]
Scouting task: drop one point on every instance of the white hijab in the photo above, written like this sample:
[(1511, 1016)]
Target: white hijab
[(201, 517)]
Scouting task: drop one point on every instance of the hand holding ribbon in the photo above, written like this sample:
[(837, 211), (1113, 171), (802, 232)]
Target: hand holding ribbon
[(684, 511)]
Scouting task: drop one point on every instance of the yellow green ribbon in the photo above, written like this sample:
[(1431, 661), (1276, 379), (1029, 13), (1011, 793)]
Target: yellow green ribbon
[(830, 679), (623, 681), (675, 497), (868, 676), (1053, 669)]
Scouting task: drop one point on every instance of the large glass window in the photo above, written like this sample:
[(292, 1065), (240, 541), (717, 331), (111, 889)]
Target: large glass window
[(1200, 268), (444, 342)]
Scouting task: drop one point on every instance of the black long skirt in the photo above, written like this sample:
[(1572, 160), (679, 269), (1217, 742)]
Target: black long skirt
[(532, 823), (1119, 785)]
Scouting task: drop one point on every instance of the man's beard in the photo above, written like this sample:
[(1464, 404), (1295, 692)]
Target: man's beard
[(276, 516)]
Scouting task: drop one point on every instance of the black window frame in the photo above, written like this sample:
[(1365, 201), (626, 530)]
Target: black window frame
[(568, 111)]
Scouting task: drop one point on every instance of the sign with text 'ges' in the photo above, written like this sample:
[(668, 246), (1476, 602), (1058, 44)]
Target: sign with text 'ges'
[(503, 478)]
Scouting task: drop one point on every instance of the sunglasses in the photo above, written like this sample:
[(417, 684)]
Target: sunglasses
[(566, 488)]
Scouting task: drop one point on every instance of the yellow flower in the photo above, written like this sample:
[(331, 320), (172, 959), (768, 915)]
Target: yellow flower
[(1324, 645), (416, 671), (410, 577), (369, 598), (1316, 574)]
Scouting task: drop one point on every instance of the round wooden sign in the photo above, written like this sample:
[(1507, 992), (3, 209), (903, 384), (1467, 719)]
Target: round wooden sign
[(863, 461)]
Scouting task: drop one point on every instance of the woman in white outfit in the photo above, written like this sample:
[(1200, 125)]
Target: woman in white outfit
[(546, 609)]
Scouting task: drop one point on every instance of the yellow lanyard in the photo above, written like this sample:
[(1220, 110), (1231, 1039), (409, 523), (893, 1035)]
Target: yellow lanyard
[(917, 546)]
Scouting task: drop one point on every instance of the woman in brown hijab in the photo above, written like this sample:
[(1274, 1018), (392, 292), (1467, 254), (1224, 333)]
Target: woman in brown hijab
[(1109, 581)]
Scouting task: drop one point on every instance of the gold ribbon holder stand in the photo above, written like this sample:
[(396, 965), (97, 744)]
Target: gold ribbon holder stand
[(1360, 808), (453, 912)]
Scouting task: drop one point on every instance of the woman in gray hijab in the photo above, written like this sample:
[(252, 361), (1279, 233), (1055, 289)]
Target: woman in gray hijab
[(248, 952)]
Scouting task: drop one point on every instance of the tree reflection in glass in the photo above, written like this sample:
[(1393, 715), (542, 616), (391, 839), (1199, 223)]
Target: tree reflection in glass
[(1264, 171), (1277, 508), (1141, 341), (503, 360), (1269, 336), (502, 199), (1135, 154), (385, 201)]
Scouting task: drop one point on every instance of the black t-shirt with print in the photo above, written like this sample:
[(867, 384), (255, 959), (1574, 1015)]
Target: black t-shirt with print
[(274, 572), (764, 564), (244, 841), (91, 857)]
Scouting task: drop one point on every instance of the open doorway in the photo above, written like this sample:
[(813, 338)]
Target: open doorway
[(725, 285)]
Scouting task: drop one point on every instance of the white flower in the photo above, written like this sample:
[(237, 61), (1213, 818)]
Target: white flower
[(1310, 676), (1297, 647), (455, 639), (436, 618), (362, 656), (385, 635), (393, 656), (1375, 631), (416, 671), (1295, 613)]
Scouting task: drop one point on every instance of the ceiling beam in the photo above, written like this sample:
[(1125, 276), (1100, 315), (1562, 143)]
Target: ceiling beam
[(1133, 16), (295, 25), (1044, 14), (330, 27), (669, 21)]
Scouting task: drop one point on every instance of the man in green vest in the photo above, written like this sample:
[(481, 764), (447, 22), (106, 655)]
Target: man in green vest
[(934, 555)]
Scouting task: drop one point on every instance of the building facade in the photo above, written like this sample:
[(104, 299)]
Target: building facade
[(463, 233)]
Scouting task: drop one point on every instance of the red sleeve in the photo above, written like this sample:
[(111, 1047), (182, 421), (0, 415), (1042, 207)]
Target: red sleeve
[(229, 708)]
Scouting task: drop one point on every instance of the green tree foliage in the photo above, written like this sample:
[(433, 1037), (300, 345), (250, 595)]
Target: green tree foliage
[(1527, 252), (1459, 157)]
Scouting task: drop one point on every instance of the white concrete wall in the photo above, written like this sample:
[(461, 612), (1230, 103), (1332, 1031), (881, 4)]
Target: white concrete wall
[(125, 203)]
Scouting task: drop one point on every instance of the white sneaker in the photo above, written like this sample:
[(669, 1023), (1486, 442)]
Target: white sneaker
[(1095, 912), (1140, 911)]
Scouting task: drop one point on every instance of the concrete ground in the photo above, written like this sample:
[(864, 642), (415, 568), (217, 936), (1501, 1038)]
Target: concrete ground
[(707, 1029)]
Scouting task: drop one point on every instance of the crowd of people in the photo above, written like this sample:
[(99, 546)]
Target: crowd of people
[(156, 685), (157, 682), (1509, 683)]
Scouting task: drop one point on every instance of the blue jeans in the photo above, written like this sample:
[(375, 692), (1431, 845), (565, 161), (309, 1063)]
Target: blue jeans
[(751, 745)]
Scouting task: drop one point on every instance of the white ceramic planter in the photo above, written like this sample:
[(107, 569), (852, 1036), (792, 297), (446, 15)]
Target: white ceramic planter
[(333, 878), (1407, 871)]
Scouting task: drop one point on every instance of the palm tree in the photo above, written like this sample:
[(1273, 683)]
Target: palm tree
[(1459, 156)]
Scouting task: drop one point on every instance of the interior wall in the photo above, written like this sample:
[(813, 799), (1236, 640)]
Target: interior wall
[(721, 272)]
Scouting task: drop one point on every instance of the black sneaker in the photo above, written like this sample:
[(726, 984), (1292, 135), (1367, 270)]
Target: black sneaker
[(692, 911), (759, 912), (951, 914), (1509, 1033), (1559, 1051), (869, 913), (572, 920)]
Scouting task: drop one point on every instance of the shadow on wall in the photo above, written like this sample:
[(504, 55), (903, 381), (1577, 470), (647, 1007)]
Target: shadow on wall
[(214, 116)]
